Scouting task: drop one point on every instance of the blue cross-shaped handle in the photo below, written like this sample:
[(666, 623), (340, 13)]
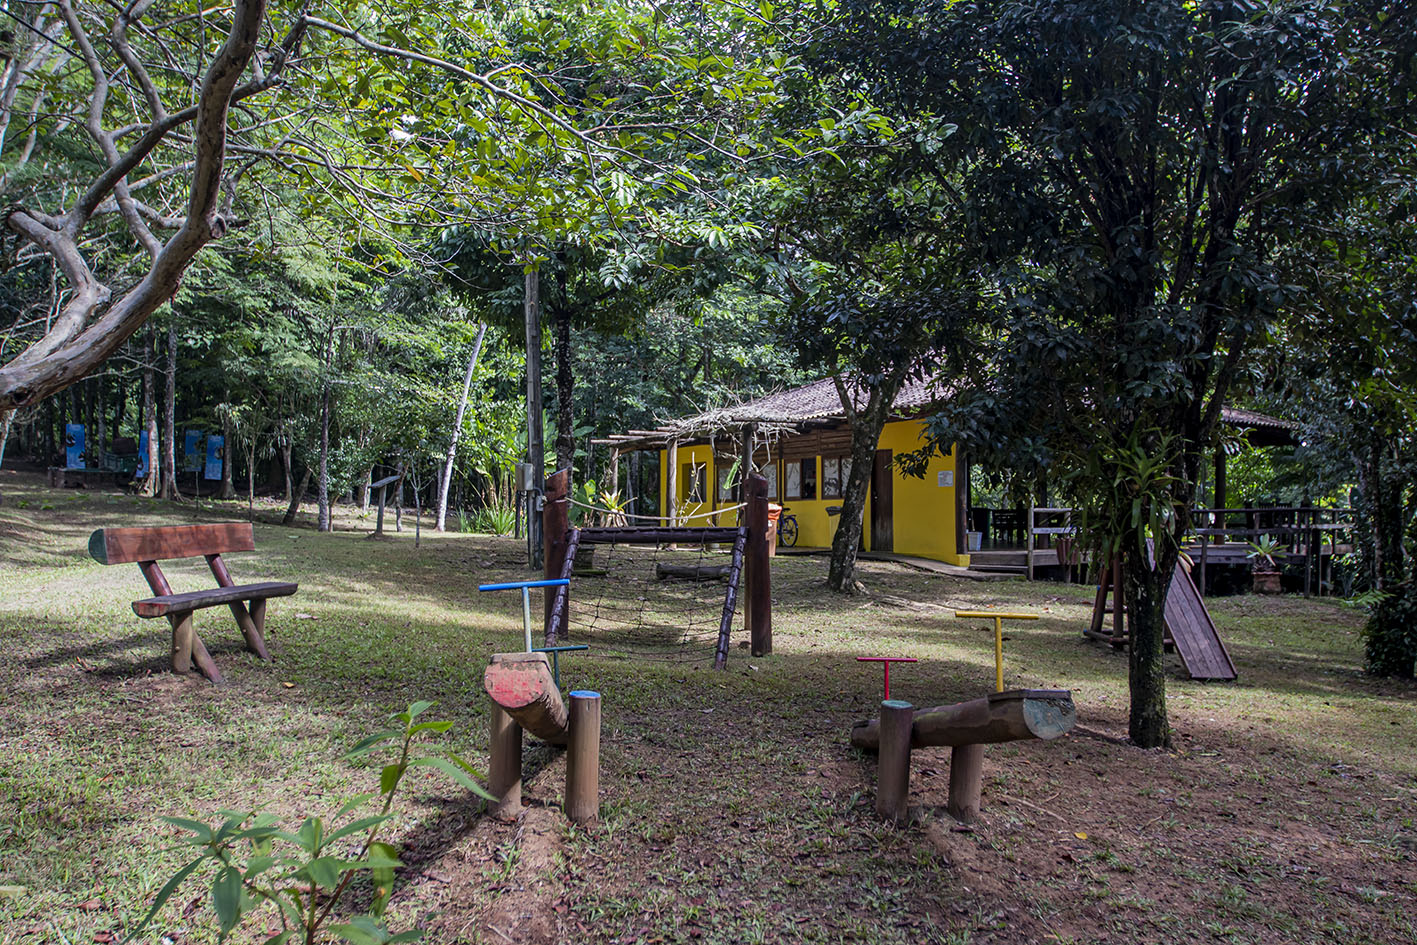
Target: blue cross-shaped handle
[(556, 652), (525, 588)]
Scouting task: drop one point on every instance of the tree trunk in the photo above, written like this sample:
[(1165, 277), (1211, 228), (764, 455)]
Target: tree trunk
[(292, 509), (323, 521), (446, 480), (169, 414), (1146, 590), (866, 425), (228, 487), (565, 390), (149, 486), (398, 497), (7, 417), (250, 452), (365, 488), (100, 419), (286, 458)]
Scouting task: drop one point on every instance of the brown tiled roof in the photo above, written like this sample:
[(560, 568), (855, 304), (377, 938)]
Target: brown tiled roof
[(819, 401)]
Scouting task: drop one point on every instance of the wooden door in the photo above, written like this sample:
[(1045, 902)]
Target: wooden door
[(882, 505)]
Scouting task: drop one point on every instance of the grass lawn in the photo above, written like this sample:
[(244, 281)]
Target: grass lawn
[(734, 808)]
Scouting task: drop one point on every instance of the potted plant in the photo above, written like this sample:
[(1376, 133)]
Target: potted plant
[(1264, 558)]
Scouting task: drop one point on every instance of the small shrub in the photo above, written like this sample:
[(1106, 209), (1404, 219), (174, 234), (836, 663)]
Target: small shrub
[(501, 519), (303, 874), (1390, 637)]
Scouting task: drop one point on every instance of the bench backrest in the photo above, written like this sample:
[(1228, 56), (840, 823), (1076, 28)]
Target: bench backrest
[(123, 545)]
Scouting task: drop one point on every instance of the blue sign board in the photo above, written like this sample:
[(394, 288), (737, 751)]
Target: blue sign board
[(74, 445), (216, 453), (192, 451), (142, 471)]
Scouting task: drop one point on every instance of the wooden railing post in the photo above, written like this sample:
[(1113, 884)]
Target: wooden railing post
[(555, 520), (758, 566)]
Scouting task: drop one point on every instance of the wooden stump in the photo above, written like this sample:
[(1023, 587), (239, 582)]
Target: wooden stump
[(893, 768), (583, 759)]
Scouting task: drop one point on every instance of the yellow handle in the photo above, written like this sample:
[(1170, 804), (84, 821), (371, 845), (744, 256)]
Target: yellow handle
[(998, 619)]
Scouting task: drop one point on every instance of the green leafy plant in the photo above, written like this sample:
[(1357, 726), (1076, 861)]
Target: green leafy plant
[(1126, 489), (500, 519), (1265, 553), (303, 874), (1390, 636)]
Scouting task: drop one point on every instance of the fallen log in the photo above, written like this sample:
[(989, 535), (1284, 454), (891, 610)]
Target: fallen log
[(691, 572), (999, 717), (522, 684)]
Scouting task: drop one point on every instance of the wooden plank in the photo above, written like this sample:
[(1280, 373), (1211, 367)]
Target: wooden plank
[(124, 545), (196, 600)]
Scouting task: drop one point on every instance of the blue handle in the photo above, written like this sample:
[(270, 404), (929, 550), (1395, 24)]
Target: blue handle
[(518, 585), (559, 649)]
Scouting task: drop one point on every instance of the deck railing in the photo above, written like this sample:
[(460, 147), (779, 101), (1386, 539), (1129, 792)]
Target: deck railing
[(1302, 530)]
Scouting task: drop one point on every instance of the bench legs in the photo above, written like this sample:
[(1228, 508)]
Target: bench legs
[(187, 648), (252, 622)]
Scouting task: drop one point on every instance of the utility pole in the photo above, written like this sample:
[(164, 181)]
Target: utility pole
[(536, 452)]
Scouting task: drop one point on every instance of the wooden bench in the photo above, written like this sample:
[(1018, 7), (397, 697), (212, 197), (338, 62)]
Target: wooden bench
[(148, 546)]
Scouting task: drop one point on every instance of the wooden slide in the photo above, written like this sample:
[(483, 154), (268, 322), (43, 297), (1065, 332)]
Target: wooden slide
[(1188, 625)]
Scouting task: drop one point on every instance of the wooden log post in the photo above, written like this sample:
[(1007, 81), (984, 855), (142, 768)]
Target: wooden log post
[(504, 774), (1011, 716), (583, 758), (893, 768), (522, 684), (966, 782), (758, 609), (555, 522)]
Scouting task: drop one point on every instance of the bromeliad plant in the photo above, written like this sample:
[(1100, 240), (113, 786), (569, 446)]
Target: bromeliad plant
[(1264, 554), (304, 874)]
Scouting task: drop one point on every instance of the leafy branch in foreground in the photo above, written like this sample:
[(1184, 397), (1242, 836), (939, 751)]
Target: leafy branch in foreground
[(304, 874)]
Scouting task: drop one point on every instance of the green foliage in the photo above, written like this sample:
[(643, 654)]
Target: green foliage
[(254, 863), (1390, 636), (1126, 492), (1265, 553)]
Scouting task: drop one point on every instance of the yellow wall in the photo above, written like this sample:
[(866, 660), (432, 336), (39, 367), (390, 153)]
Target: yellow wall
[(924, 511)]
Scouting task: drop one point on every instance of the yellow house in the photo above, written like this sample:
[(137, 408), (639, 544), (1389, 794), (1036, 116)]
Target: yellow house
[(802, 443)]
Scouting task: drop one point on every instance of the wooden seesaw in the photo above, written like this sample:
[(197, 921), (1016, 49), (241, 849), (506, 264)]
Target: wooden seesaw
[(965, 727), (526, 696)]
